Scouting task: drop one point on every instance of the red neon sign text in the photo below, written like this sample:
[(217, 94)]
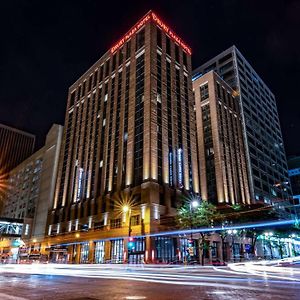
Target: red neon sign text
[(160, 23)]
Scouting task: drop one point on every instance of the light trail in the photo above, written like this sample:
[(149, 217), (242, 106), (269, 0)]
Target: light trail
[(198, 230), (267, 269), (239, 276)]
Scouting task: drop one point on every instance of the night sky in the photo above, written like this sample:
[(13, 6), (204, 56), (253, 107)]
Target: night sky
[(46, 45)]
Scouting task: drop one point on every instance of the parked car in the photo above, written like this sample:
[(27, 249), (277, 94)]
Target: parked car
[(217, 262)]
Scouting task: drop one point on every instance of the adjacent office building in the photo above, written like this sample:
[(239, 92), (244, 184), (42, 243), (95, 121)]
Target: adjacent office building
[(129, 127), (222, 159), (31, 186), (265, 154), (294, 173), (15, 146)]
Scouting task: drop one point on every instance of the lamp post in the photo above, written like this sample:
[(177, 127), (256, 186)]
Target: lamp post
[(127, 210), (232, 233), (268, 236), (193, 205)]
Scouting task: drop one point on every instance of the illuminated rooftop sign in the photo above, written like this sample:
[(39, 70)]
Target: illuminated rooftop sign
[(151, 16)]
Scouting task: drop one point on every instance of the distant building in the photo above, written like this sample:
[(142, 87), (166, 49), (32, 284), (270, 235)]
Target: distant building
[(294, 173), (264, 147), (15, 146), (222, 160), (31, 185)]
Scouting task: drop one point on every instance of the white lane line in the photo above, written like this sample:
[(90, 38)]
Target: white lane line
[(9, 297)]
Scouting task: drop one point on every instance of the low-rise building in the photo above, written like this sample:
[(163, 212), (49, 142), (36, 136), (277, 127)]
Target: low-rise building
[(31, 188)]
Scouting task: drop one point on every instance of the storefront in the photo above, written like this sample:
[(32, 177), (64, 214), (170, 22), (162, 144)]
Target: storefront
[(99, 255), (117, 251), (58, 255)]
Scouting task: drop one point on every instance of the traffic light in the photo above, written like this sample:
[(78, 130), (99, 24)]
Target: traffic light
[(190, 247), (190, 243), (131, 245)]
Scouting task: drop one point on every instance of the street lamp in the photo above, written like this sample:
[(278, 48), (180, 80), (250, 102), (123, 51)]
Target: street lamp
[(125, 208), (195, 203)]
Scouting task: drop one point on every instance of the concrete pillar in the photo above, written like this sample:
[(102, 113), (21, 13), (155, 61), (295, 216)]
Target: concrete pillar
[(149, 246), (70, 254), (91, 252), (107, 250), (77, 257)]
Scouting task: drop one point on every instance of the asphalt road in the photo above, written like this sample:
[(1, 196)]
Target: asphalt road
[(95, 282)]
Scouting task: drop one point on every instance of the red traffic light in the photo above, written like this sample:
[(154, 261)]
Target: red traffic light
[(131, 239)]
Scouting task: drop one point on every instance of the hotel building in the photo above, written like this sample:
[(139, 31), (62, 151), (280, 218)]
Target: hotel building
[(129, 142), (221, 152)]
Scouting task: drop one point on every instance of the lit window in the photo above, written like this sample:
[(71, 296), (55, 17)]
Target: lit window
[(76, 224), (49, 229), (159, 98), (90, 222), (26, 229)]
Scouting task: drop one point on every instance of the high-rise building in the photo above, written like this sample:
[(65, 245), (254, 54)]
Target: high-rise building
[(221, 152), (265, 152), (15, 146), (129, 127), (294, 173), (31, 186)]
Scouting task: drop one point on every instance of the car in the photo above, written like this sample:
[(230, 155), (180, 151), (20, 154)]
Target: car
[(217, 262)]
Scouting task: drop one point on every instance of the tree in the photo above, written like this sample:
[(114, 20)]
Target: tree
[(203, 215)]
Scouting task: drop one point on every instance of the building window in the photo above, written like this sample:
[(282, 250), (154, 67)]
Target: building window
[(168, 45), (99, 252), (128, 49), (114, 61), (165, 249), (159, 37), (204, 92), (177, 53), (121, 56), (84, 253), (184, 56), (140, 39), (135, 220), (115, 223), (106, 68), (117, 251)]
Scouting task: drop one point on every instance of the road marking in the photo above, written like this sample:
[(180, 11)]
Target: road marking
[(135, 297), (9, 297)]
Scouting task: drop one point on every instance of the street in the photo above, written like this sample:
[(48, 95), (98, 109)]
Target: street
[(94, 282)]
